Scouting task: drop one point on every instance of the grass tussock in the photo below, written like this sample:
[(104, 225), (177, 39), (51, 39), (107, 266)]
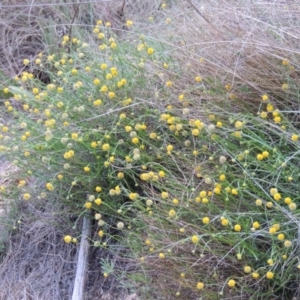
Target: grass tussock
[(180, 138)]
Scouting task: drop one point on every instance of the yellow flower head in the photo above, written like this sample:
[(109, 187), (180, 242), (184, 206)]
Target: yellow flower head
[(150, 51), (205, 220), (133, 196), (67, 239), (172, 213), (270, 275), (129, 23), (26, 196), (200, 285), (231, 283), (195, 239)]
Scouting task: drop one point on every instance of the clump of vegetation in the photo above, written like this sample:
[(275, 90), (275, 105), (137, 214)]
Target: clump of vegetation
[(181, 155)]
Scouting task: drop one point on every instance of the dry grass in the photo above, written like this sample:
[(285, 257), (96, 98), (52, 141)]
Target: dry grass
[(33, 27), (241, 44), (38, 265)]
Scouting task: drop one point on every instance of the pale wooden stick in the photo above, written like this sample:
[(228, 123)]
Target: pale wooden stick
[(82, 267)]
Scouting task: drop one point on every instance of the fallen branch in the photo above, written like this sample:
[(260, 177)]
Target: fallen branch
[(80, 278)]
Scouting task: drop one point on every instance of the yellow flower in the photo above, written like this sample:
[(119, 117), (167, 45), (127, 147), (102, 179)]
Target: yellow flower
[(74, 136), (277, 196), (217, 190), (205, 220), (21, 183), (161, 255), (181, 97), (104, 89), (265, 154), (256, 225), (270, 107), (219, 124), (135, 140), (231, 283), (292, 206), (234, 192), (161, 174), (98, 201), (111, 95), (247, 269), (169, 148), (150, 51), (145, 176), (277, 120), (88, 205), (200, 285), (120, 175), (224, 222), (26, 196), (133, 196), (295, 137), (270, 275), (238, 124), (285, 62), (175, 201), (269, 204), (98, 189), (195, 239), (94, 144), (96, 81), (164, 195), (169, 83), (105, 147), (203, 194), (172, 213), (264, 97), (259, 156), (113, 45), (287, 200), (222, 177), (258, 202), (285, 86), (255, 275), (49, 186), (287, 244), (195, 132), (264, 114), (237, 227), (101, 233), (67, 239), (198, 79), (273, 191), (87, 169), (129, 23)]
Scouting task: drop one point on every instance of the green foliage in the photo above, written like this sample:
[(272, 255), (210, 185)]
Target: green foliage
[(204, 198)]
